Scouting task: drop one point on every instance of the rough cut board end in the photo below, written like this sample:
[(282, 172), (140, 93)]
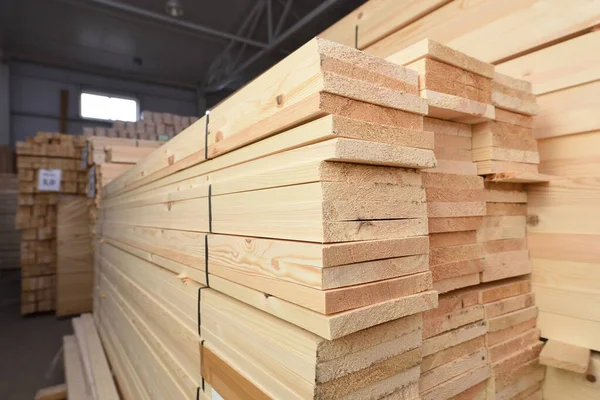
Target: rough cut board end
[(520, 177), (565, 356), (428, 48)]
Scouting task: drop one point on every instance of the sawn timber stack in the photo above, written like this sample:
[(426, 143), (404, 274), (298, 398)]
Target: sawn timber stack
[(288, 228)]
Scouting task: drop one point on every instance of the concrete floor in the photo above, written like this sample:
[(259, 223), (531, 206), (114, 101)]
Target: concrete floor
[(30, 346)]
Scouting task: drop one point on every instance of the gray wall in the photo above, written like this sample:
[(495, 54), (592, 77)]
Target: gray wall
[(35, 98), (4, 105)]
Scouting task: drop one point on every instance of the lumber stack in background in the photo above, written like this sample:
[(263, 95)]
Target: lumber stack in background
[(152, 126), (74, 268), (10, 241), (37, 213), (301, 240), (106, 158)]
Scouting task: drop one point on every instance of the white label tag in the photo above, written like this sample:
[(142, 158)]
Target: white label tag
[(49, 180), (215, 395)]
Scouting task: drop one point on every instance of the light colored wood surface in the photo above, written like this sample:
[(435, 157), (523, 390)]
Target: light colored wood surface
[(561, 384), (563, 65), (491, 32), (77, 387), (58, 392), (568, 111), (565, 356)]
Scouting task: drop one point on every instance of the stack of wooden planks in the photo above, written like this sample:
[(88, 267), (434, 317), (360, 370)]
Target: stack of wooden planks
[(108, 158), (87, 372), (477, 230), (289, 230), (458, 90), (48, 165), (152, 126), (506, 146), (551, 44), (10, 238)]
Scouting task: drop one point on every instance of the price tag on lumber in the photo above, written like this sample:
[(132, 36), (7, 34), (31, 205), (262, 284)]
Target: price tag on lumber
[(49, 180)]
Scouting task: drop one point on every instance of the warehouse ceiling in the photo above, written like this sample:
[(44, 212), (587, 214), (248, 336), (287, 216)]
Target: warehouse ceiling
[(216, 45)]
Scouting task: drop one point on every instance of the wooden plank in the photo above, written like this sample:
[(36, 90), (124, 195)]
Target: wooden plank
[(453, 338), (564, 206), (428, 48), (520, 177), (127, 154), (76, 384), (513, 345), (570, 156), (493, 338), (153, 373), (565, 356), (563, 65), (458, 384), (445, 372), (461, 224), (560, 383), (576, 302), (228, 382), (511, 319), (58, 392), (522, 384), (458, 282), (571, 330), (377, 19), (504, 306), (568, 111), (103, 380), (492, 33), (458, 109), (125, 374), (452, 353), (443, 323)]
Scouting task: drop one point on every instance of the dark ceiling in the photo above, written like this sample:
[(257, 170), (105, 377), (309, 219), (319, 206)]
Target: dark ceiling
[(100, 36)]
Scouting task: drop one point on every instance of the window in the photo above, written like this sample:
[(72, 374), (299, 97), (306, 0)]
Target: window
[(107, 107)]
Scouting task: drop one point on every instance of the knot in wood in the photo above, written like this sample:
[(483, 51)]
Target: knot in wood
[(533, 220), (279, 100)]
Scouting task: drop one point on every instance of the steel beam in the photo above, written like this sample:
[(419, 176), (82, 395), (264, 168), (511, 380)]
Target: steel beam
[(278, 40), (269, 21), (282, 18), (116, 5)]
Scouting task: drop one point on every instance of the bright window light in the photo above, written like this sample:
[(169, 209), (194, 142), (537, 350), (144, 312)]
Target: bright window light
[(108, 108)]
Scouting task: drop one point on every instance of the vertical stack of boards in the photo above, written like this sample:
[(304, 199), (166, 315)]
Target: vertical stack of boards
[(477, 228), (60, 156), (298, 252), (106, 158), (10, 238), (553, 45)]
